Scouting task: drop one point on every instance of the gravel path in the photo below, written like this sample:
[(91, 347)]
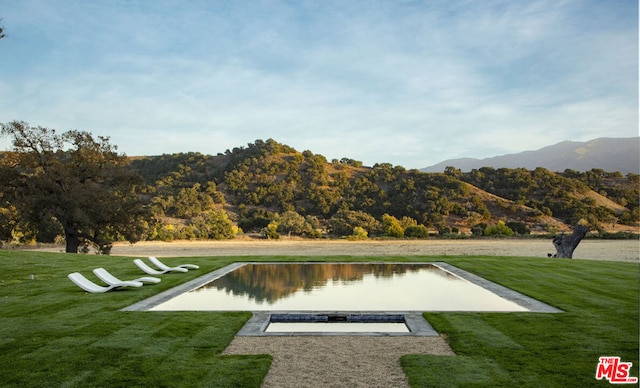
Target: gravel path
[(337, 361)]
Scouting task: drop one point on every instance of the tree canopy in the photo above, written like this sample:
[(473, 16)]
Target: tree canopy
[(260, 183), (71, 184), (77, 186)]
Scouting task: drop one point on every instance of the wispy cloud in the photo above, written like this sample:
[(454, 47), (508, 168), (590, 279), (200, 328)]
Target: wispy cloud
[(400, 82)]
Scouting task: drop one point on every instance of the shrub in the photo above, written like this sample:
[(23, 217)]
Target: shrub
[(392, 227), (359, 234), (478, 229), (417, 231), (343, 222), (214, 224), (444, 231), (500, 229), (271, 231), (518, 227)]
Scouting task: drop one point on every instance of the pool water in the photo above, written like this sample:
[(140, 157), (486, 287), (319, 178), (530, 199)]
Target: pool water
[(336, 327), (300, 287)]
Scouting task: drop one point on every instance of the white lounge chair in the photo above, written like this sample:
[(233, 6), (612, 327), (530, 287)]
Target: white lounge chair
[(161, 265), (79, 280), (108, 278), (143, 266)]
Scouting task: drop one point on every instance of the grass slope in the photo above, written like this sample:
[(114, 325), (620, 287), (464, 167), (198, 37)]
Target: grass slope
[(54, 334)]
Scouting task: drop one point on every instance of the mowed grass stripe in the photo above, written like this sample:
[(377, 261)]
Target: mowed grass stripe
[(600, 300), (54, 334)]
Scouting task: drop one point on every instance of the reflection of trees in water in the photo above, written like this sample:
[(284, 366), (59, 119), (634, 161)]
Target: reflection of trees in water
[(270, 282)]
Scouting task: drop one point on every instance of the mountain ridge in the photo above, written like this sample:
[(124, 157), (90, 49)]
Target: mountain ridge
[(610, 154)]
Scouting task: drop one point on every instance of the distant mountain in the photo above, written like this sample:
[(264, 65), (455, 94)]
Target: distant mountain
[(609, 154)]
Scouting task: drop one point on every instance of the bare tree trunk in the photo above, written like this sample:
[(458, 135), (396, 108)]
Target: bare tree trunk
[(72, 240), (565, 245)]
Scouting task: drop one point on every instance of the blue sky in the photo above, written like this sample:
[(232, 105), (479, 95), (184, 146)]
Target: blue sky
[(410, 83)]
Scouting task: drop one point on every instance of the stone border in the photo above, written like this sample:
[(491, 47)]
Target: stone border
[(153, 301), (531, 304), (256, 326)]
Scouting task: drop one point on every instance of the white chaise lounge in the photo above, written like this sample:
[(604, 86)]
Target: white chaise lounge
[(144, 267), (161, 265), (79, 280), (108, 278)]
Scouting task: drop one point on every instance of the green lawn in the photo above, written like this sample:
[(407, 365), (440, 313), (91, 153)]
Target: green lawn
[(54, 334), (600, 304)]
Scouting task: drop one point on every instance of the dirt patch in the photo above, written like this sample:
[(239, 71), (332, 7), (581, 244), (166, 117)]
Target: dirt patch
[(337, 361)]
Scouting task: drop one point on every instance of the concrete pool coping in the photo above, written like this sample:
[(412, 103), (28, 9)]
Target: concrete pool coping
[(418, 326), (531, 304)]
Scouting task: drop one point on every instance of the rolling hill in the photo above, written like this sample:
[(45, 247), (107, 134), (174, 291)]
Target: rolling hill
[(260, 184)]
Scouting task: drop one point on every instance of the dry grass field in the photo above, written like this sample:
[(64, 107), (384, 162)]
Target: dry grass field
[(609, 250)]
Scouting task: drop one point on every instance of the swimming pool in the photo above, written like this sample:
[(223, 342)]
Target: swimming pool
[(336, 291), (339, 287)]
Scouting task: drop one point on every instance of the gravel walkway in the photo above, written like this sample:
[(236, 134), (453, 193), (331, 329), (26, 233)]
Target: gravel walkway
[(337, 361)]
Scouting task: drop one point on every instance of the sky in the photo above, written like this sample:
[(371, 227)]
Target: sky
[(411, 83)]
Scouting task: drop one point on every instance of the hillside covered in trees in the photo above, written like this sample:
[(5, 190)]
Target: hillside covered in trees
[(273, 190)]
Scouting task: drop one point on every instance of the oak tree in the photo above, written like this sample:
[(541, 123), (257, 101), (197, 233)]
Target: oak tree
[(74, 181)]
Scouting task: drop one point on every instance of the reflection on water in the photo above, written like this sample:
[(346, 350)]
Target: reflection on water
[(272, 282), (339, 287)]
